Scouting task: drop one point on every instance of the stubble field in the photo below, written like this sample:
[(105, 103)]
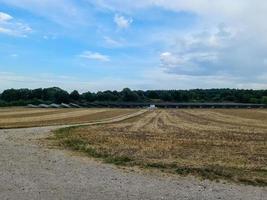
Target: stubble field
[(34, 117), (212, 144)]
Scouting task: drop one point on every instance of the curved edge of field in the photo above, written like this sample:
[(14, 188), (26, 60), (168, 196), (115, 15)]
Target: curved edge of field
[(154, 121)]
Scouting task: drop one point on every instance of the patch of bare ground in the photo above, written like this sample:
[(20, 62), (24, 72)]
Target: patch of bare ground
[(212, 144)]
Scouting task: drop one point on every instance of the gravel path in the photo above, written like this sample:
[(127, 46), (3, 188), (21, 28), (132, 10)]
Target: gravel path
[(29, 170)]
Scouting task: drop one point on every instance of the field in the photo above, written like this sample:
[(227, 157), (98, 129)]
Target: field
[(30, 117), (212, 144)]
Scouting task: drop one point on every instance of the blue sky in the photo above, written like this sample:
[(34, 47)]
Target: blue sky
[(142, 44)]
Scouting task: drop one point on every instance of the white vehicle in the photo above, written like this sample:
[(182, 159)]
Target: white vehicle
[(152, 106)]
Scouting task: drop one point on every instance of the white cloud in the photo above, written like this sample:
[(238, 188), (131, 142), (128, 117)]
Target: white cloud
[(222, 8), (170, 60), (158, 78), (11, 26), (5, 17), (232, 53), (186, 63), (50, 37), (191, 57), (15, 80), (63, 12), (249, 14), (202, 52), (6, 31), (122, 22), (112, 42), (95, 56), (151, 79)]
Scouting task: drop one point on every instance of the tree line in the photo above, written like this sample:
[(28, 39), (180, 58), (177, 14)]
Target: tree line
[(57, 95)]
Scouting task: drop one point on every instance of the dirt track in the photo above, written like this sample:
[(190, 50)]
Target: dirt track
[(30, 171)]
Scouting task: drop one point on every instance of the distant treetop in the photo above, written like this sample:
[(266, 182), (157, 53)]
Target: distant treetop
[(57, 95)]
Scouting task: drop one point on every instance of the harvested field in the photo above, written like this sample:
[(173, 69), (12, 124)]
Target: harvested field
[(31, 117), (212, 144)]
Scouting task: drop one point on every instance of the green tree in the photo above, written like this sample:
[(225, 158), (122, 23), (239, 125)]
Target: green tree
[(129, 96), (37, 93), (264, 100), (88, 96), (75, 96), (61, 96)]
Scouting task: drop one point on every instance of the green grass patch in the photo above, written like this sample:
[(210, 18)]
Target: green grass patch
[(65, 139)]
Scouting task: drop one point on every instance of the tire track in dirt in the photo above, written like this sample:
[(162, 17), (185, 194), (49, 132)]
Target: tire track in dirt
[(216, 117), (34, 114), (52, 116), (190, 122), (142, 123), (23, 111)]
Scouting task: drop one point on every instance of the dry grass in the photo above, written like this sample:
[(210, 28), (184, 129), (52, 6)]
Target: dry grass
[(28, 117), (213, 144)]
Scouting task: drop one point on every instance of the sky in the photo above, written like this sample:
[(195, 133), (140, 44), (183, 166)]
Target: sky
[(92, 45)]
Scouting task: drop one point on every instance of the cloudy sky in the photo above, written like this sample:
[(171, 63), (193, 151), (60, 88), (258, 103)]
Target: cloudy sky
[(142, 44)]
